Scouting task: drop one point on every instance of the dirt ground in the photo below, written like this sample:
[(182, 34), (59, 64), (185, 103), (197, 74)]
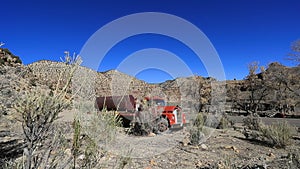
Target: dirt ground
[(225, 148)]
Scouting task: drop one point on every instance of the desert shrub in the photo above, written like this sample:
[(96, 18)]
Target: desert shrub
[(39, 109), (10, 164), (2, 61), (252, 123), (211, 121), (122, 161), (91, 134), (90, 154), (278, 135), (199, 121), (101, 127), (140, 129), (225, 122), (111, 119), (110, 123), (76, 140), (196, 134), (294, 158), (227, 163), (252, 126), (144, 124)]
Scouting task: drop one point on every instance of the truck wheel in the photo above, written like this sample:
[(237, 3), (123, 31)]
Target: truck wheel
[(162, 125)]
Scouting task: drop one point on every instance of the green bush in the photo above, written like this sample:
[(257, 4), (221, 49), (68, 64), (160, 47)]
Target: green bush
[(38, 110), (199, 121), (293, 158), (196, 134), (252, 123), (225, 123), (2, 61), (277, 135), (10, 164)]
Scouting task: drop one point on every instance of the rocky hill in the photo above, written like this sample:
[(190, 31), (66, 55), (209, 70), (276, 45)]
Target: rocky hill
[(196, 93), (276, 88), (112, 82), (190, 92), (14, 81), (8, 59)]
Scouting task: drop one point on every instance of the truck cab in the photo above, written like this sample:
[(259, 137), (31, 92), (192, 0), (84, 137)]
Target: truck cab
[(173, 114)]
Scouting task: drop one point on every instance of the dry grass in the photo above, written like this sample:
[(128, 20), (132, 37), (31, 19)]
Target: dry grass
[(275, 135), (278, 135)]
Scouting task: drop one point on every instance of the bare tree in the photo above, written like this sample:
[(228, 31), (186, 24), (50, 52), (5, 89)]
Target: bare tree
[(234, 95), (256, 87), (295, 54), (285, 84)]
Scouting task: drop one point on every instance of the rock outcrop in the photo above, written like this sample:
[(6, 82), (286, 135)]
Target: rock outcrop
[(8, 59)]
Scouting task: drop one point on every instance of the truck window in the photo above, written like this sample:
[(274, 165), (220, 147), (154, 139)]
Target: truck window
[(159, 102), (156, 102)]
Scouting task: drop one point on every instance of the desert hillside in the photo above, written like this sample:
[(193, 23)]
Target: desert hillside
[(276, 86), (219, 136)]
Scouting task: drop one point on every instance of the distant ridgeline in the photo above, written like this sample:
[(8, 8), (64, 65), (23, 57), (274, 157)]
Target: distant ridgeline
[(277, 86), (8, 59)]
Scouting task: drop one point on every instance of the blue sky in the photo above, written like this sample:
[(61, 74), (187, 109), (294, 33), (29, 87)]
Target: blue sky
[(241, 31)]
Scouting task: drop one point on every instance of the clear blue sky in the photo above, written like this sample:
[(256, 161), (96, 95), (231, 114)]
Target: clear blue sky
[(241, 31)]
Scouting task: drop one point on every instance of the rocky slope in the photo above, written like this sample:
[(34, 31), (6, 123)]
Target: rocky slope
[(14, 81), (196, 92), (8, 59), (223, 147)]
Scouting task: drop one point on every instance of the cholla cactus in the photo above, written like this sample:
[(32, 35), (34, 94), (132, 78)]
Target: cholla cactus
[(75, 59), (39, 108)]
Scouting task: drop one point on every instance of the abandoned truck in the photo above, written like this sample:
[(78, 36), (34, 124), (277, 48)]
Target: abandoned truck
[(130, 110)]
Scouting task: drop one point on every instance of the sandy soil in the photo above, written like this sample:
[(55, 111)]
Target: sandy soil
[(225, 148)]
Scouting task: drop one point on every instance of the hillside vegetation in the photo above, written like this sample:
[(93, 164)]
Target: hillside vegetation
[(33, 96)]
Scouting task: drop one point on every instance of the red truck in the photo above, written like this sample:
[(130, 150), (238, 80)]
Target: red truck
[(130, 110)]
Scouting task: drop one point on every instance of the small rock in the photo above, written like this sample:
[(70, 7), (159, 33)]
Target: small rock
[(68, 152), (153, 163), (227, 147), (185, 142), (81, 157), (220, 165), (194, 147), (271, 155), (151, 134), (232, 148), (204, 147), (199, 164)]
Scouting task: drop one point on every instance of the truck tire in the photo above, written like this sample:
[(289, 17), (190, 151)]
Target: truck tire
[(162, 125)]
